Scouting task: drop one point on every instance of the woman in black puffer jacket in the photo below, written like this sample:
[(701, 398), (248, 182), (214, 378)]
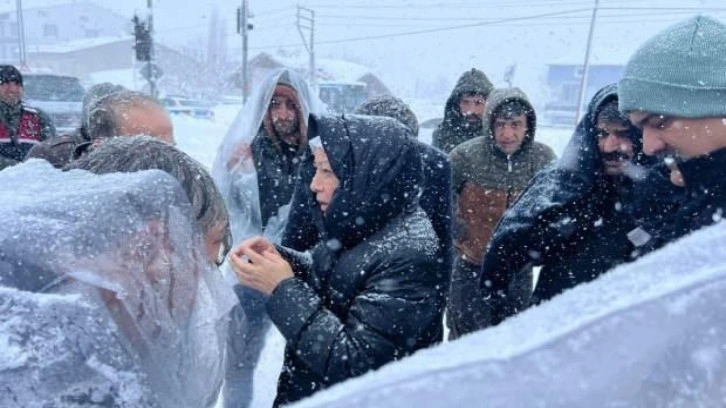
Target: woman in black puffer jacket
[(368, 294)]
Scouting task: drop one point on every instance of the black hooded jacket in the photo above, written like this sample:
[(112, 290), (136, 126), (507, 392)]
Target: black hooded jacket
[(301, 232), (570, 220), (454, 129), (369, 293)]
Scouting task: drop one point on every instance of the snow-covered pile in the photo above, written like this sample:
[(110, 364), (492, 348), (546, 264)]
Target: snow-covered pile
[(647, 334)]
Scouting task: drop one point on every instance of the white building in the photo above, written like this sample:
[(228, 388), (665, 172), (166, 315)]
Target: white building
[(53, 24)]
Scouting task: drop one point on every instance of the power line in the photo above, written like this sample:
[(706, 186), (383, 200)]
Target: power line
[(646, 13), (435, 30)]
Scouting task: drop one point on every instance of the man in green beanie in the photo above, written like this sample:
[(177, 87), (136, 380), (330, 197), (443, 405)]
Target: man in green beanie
[(464, 111), (674, 89)]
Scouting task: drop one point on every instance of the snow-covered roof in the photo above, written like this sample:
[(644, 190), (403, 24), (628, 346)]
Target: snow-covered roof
[(330, 70), (75, 45)]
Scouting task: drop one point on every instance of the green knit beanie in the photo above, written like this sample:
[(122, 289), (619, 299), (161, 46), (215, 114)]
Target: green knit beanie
[(680, 72)]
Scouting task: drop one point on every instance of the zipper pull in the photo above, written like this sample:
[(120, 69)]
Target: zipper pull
[(509, 162)]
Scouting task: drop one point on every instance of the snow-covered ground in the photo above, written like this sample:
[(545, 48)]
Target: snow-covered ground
[(200, 139)]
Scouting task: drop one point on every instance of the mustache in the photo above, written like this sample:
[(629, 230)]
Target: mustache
[(615, 156)]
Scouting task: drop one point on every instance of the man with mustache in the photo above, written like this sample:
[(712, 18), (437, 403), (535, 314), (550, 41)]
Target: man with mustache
[(464, 111), (682, 113), (573, 219)]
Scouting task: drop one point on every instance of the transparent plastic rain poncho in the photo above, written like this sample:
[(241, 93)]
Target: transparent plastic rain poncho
[(123, 259), (237, 178)]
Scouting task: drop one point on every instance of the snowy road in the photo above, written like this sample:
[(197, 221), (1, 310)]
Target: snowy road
[(200, 139)]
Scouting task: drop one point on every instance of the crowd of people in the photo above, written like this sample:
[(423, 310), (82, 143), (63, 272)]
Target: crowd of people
[(358, 242)]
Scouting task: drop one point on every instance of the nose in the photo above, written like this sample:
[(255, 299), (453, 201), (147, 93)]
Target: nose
[(315, 184), (611, 143), (508, 133), (651, 143)]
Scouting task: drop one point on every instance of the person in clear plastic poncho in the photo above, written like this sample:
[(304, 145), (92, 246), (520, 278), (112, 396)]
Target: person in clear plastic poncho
[(256, 169), (107, 294)]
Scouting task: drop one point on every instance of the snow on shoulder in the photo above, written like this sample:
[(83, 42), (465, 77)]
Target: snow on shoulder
[(647, 334)]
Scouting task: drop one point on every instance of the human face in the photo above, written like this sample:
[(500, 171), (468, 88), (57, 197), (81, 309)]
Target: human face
[(325, 182), (472, 108), (284, 117), (145, 119), (11, 93), (616, 148), (681, 137), (510, 133)]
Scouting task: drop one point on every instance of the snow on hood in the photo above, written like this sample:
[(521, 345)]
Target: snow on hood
[(647, 334)]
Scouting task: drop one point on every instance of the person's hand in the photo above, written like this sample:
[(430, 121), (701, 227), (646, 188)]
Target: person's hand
[(242, 152), (259, 265)]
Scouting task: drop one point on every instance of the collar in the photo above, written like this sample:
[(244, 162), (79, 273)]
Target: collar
[(705, 174)]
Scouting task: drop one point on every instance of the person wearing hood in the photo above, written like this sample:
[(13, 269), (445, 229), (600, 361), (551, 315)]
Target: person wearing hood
[(256, 169), (21, 127), (301, 233), (367, 294), (488, 174), (575, 218), (464, 111), (61, 150)]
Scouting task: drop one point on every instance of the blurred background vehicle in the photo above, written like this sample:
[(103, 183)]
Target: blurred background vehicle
[(59, 96), (181, 105)]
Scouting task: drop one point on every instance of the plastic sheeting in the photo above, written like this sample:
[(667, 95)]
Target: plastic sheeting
[(648, 334), (128, 246), (236, 178)]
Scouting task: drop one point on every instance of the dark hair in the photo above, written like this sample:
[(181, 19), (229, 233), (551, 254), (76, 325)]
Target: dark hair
[(609, 112), (103, 117), (131, 154), (510, 109)]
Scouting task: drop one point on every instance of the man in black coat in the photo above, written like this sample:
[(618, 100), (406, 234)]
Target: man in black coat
[(368, 295), (574, 218)]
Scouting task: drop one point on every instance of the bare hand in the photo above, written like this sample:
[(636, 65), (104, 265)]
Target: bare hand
[(259, 265), (242, 152)]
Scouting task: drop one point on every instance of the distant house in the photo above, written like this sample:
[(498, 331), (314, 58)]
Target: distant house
[(52, 24), (111, 59), (340, 83), (563, 83)]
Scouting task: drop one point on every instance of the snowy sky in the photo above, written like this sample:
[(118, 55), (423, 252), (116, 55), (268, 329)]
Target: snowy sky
[(415, 44)]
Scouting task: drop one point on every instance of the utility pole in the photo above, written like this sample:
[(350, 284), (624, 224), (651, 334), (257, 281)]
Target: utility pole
[(22, 53), (586, 65), (243, 28), (150, 63), (306, 21)]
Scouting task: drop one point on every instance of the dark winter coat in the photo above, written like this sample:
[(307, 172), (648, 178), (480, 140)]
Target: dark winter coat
[(276, 163), (454, 129), (21, 128), (703, 202), (368, 295), (301, 233), (571, 220), (486, 181), (61, 150)]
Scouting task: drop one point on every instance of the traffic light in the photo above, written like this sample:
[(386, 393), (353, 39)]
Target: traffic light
[(142, 40)]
